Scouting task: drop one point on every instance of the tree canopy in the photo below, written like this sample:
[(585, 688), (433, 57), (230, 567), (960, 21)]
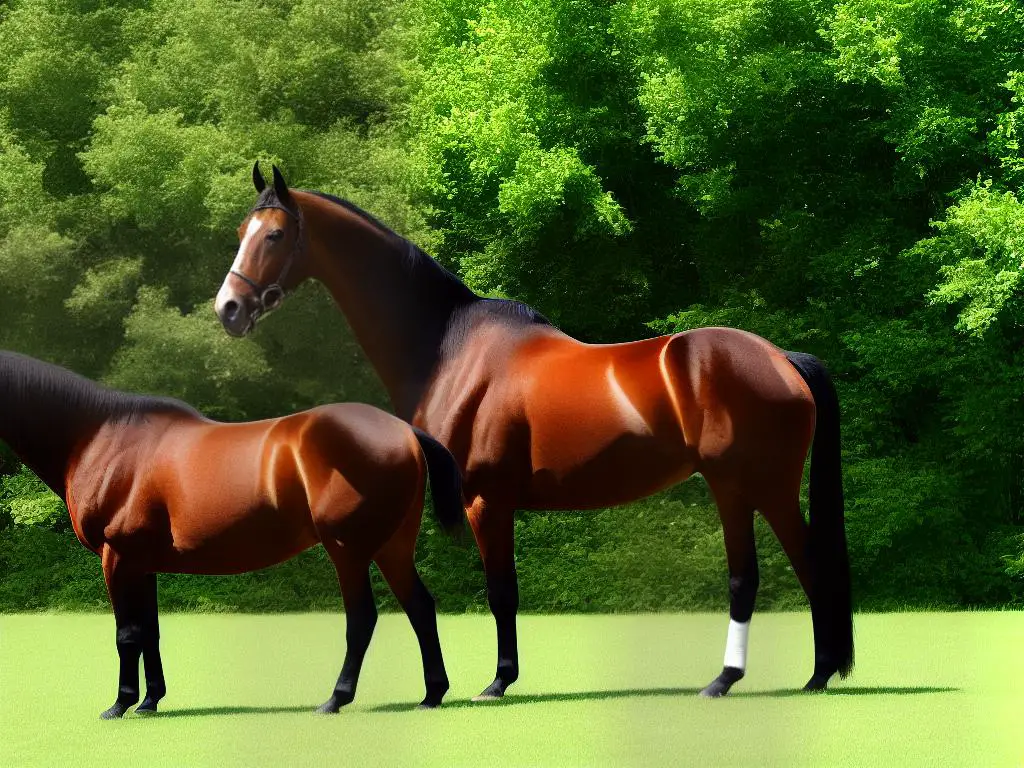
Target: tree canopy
[(844, 178)]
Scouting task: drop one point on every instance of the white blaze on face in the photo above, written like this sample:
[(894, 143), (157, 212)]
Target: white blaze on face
[(226, 293), (736, 644), (637, 423)]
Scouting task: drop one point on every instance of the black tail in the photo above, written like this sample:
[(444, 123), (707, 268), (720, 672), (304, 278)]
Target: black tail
[(445, 483), (831, 603)]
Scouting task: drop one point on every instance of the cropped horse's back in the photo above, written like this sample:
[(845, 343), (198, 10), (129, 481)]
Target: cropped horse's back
[(152, 486)]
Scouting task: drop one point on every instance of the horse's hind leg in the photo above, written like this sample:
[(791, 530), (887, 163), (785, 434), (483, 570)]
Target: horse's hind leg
[(128, 597), (738, 529), (360, 619), (790, 528), (156, 686), (397, 565)]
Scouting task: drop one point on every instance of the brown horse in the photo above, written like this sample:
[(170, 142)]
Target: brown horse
[(538, 420), (152, 486)]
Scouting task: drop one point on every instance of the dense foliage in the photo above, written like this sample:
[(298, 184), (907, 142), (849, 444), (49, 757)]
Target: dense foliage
[(844, 178)]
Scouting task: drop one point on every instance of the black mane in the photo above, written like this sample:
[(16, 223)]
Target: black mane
[(27, 380), (46, 411), (504, 309), (350, 206), (424, 312), (514, 311)]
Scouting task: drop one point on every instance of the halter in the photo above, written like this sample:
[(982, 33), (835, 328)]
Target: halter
[(270, 296)]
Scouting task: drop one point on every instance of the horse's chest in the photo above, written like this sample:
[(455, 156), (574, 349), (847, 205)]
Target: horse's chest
[(99, 490)]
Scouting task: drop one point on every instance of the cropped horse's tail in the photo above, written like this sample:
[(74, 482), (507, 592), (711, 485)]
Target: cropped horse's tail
[(831, 603), (445, 483)]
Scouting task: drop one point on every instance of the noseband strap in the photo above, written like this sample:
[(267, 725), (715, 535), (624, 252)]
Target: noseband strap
[(261, 292), (252, 283)]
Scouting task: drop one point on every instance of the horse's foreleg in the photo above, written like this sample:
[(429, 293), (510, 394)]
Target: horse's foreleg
[(156, 687), (127, 590), (738, 529), (493, 528), (360, 619)]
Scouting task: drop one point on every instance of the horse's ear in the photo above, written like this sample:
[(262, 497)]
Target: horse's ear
[(280, 186), (257, 178)]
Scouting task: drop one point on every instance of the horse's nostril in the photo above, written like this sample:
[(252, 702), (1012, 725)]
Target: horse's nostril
[(231, 309)]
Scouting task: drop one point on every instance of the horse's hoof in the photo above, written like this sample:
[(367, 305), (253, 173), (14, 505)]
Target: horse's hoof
[(434, 694), (720, 686), (333, 705), (431, 701), (147, 707), (488, 697), (714, 691), (816, 684), (495, 690), (116, 712)]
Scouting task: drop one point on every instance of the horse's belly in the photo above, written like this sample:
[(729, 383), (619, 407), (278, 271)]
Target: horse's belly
[(627, 468), (212, 543)]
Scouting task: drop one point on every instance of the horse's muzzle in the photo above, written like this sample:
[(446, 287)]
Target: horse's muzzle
[(234, 315)]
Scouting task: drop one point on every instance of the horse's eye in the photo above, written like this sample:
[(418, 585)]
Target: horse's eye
[(274, 235)]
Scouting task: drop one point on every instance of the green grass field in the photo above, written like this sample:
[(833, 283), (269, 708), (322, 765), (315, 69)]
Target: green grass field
[(929, 689)]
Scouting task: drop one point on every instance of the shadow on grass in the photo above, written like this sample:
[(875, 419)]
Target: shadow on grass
[(782, 693), (540, 698), (212, 711), (849, 690)]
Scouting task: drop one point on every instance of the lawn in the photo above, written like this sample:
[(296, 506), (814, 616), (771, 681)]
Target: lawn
[(929, 689)]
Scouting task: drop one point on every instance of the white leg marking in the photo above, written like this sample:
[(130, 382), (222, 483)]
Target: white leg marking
[(635, 419), (736, 644)]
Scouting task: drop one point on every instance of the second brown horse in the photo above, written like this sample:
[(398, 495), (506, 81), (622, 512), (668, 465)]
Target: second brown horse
[(539, 420), (153, 487)]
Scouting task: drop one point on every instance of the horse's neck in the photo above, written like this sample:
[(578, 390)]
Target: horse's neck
[(44, 436), (399, 304)]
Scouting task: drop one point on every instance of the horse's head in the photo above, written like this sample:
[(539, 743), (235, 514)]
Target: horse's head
[(272, 241)]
